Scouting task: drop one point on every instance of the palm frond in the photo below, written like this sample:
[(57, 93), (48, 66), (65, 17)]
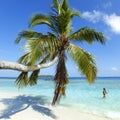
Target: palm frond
[(56, 4), (39, 19), (27, 34), (64, 5), (62, 23), (22, 80), (75, 13), (84, 61), (24, 59), (38, 48), (34, 47), (33, 79), (88, 35)]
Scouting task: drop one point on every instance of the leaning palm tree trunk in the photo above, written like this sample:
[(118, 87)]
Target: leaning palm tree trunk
[(21, 67), (60, 78)]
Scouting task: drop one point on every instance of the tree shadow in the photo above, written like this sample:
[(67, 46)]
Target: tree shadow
[(21, 103)]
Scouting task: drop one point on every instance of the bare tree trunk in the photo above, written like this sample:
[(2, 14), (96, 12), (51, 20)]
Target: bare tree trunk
[(24, 68), (56, 94), (60, 77)]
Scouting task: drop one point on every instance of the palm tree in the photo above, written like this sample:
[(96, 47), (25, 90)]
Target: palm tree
[(57, 42)]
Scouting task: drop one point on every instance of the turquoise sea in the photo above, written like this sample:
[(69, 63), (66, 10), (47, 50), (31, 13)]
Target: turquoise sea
[(80, 94)]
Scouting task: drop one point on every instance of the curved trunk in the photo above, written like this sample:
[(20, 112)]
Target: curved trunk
[(24, 68)]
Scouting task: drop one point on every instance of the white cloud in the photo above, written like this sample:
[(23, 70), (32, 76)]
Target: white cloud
[(92, 16), (115, 69), (113, 20)]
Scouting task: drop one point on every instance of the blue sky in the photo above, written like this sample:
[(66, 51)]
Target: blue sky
[(101, 15)]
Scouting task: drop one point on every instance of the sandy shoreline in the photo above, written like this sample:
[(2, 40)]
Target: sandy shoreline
[(15, 106)]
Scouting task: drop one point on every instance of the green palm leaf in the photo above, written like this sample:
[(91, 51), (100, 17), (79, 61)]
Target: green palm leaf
[(64, 5), (61, 21), (33, 79), (24, 59), (64, 23), (35, 49), (56, 4), (27, 34), (40, 19), (75, 13), (22, 80), (85, 62), (38, 48), (88, 35)]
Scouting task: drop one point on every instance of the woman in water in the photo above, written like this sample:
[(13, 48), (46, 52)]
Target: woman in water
[(104, 93)]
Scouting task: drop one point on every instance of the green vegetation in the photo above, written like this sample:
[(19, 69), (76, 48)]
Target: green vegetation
[(46, 76), (57, 41)]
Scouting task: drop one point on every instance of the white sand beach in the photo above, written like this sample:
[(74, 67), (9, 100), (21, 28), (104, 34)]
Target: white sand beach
[(20, 107)]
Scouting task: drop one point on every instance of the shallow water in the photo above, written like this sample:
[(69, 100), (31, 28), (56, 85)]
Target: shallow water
[(79, 95)]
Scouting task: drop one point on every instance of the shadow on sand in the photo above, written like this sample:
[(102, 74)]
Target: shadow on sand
[(21, 103)]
